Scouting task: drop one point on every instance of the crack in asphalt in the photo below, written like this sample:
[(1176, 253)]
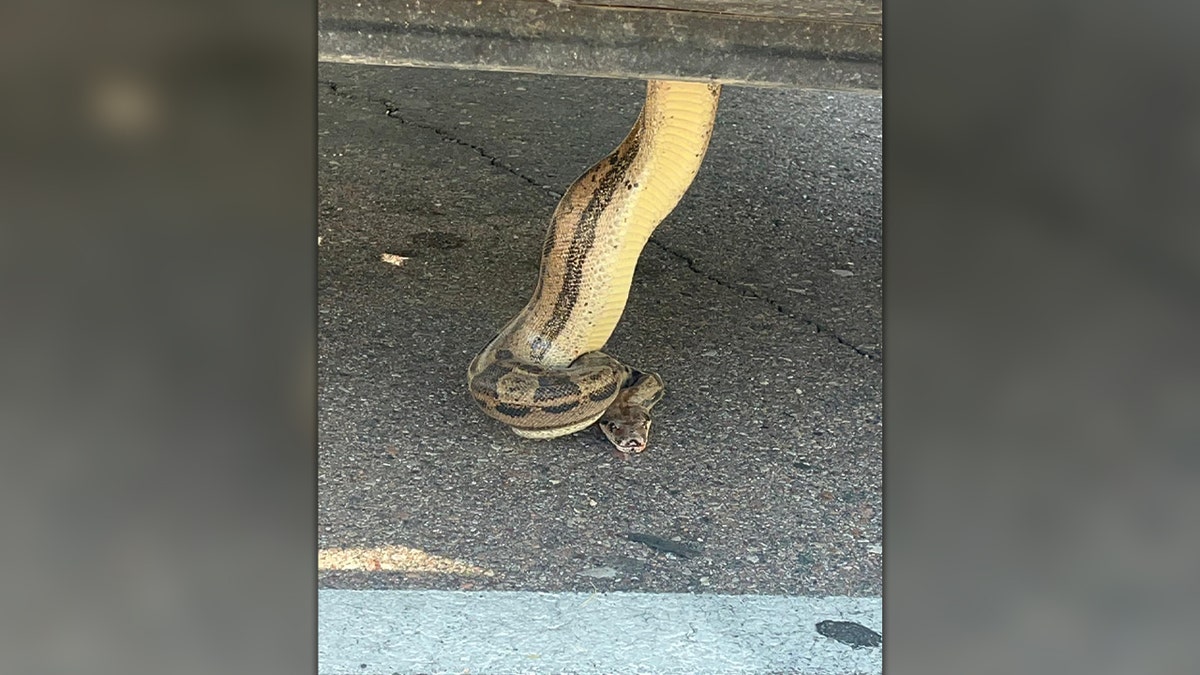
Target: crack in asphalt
[(778, 307), (394, 112)]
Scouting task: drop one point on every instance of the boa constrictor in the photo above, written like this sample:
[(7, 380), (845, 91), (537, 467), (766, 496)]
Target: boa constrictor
[(544, 374)]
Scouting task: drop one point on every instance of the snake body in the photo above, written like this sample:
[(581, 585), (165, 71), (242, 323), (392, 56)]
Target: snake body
[(543, 374)]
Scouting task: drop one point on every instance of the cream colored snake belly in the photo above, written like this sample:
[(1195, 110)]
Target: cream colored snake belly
[(544, 374)]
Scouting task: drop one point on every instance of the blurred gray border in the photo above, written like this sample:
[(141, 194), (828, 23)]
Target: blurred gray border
[(157, 261)]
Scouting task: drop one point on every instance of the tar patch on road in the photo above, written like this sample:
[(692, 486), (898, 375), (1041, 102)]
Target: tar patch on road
[(436, 240), (849, 633), (679, 548)]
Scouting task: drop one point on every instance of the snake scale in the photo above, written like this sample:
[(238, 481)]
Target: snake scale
[(543, 374)]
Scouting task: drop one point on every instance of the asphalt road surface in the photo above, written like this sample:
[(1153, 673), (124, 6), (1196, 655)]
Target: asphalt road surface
[(759, 302)]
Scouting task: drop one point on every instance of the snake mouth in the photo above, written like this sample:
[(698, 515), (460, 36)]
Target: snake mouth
[(632, 445)]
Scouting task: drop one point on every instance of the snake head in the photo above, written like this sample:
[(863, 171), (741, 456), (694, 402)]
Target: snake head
[(626, 422), (628, 435)]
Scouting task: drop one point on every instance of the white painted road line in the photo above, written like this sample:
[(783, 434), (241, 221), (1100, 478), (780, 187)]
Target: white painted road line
[(387, 632)]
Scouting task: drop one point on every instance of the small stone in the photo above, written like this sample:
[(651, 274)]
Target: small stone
[(752, 559), (843, 273)]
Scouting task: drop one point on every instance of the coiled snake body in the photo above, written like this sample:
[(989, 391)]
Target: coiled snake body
[(544, 374)]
